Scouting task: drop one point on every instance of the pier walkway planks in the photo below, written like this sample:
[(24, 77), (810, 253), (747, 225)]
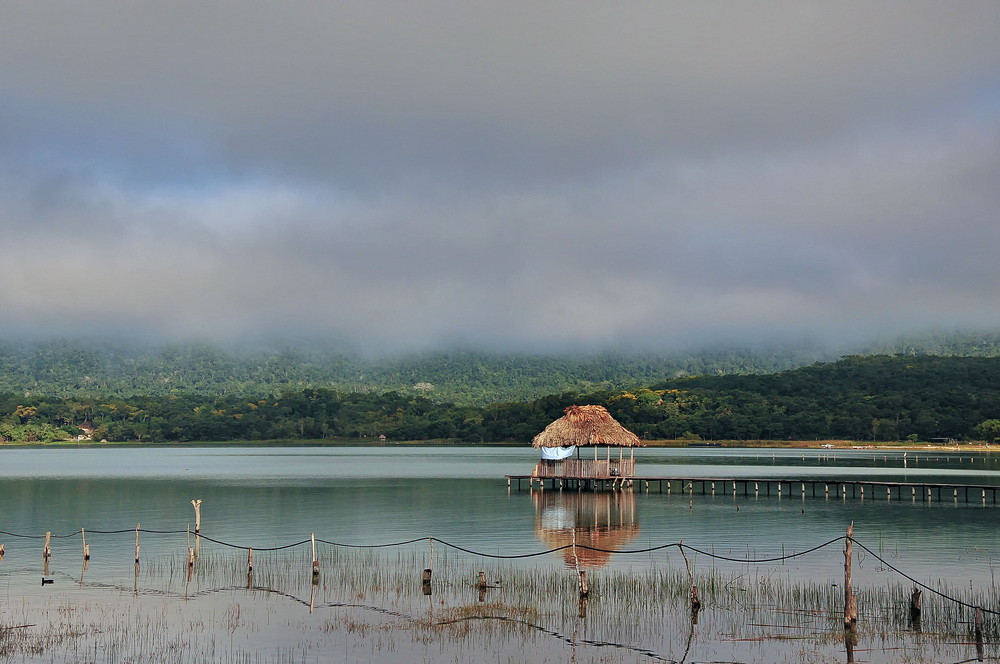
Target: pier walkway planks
[(837, 488)]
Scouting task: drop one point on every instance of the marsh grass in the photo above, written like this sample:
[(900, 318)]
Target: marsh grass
[(371, 601)]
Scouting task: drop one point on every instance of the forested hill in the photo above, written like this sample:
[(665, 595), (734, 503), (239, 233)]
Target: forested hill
[(95, 369), (74, 368), (857, 398), (874, 398)]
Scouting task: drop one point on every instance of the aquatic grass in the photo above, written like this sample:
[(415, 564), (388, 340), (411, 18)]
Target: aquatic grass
[(373, 599)]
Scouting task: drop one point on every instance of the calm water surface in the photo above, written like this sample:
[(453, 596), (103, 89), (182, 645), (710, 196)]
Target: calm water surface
[(271, 496)]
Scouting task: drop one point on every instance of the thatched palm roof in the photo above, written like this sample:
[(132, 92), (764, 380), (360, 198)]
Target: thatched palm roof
[(585, 425)]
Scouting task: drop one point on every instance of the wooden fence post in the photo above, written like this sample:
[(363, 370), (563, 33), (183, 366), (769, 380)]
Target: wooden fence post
[(197, 515), (850, 601), (979, 634), (312, 537), (915, 604)]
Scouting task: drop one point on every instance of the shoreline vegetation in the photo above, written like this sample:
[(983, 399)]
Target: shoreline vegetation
[(902, 446), (877, 400)]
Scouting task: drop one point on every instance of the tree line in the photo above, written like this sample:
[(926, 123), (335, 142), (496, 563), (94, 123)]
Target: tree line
[(60, 368), (875, 398)]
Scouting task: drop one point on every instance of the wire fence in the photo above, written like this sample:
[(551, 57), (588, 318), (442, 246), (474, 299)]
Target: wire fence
[(680, 546)]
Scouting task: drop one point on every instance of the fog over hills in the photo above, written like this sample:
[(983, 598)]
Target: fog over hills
[(81, 367)]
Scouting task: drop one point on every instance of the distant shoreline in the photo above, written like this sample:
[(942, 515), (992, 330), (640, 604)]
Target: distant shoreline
[(976, 446)]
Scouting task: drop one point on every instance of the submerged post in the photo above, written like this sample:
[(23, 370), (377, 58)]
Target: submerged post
[(426, 581), (915, 604), (850, 601)]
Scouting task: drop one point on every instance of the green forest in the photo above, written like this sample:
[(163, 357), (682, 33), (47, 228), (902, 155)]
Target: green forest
[(120, 368), (862, 398), (73, 368)]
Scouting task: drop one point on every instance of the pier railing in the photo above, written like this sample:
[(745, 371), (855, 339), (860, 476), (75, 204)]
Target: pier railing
[(593, 469)]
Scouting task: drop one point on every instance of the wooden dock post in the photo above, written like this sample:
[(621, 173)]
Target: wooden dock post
[(86, 547), (197, 515), (47, 549), (137, 543), (850, 600), (249, 560)]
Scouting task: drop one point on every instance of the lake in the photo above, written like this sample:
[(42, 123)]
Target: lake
[(369, 605)]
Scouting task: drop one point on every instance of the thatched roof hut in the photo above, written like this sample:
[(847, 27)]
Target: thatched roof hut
[(585, 425)]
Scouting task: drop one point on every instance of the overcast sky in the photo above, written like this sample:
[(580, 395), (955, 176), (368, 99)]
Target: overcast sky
[(511, 175)]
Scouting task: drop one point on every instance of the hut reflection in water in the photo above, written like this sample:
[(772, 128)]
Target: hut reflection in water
[(601, 520)]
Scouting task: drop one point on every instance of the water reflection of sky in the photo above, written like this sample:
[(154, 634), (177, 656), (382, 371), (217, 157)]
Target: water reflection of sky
[(271, 496)]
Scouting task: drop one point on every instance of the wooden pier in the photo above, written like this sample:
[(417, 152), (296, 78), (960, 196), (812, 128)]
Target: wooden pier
[(789, 488)]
